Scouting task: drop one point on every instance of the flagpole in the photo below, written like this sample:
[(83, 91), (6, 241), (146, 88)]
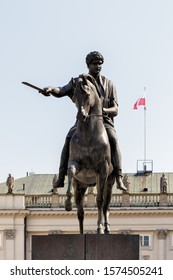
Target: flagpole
[(139, 102), (145, 132)]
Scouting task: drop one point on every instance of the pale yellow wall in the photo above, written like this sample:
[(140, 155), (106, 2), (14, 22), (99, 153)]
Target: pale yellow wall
[(44, 221)]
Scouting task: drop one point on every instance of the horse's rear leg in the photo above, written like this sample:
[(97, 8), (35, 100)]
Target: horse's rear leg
[(101, 180), (107, 200), (100, 215), (107, 223)]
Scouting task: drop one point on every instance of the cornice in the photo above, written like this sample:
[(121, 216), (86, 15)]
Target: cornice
[(142, 212), (113, 213), (88, 212), (14, 213), (52, 213)]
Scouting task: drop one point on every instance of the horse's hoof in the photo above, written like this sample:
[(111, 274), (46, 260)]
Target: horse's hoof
[(68, 205), (107, 228), (100, 231), (68, 208)]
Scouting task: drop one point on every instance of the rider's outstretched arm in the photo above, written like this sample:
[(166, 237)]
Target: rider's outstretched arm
[(60, 91)]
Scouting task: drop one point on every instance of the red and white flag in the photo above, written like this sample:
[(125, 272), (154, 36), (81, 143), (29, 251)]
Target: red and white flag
[(140, 102)]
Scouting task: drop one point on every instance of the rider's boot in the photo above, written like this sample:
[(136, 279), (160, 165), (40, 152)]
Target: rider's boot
[(60, 181), (63, 165), (120, 184), (119, 181)]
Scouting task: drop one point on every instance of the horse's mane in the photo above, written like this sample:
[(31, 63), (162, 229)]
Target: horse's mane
[(90, 82)]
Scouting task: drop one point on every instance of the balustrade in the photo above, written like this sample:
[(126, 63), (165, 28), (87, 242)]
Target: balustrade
[(117, 200)]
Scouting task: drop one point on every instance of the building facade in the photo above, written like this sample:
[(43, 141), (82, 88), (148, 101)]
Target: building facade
[(146, 209)]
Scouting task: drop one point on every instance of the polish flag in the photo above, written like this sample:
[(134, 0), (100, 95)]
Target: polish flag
[(139, 102)]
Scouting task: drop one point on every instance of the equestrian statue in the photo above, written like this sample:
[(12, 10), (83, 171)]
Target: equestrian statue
[(91, 154)]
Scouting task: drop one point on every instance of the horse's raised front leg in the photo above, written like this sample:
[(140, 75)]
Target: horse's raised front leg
[(79, 197), (71, 172)]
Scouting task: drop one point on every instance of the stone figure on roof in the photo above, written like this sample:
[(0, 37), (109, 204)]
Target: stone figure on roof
[(10, 183), (55, 178), (163, 183)]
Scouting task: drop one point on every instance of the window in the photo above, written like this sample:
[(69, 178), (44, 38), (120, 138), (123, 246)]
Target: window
[(145, 240)]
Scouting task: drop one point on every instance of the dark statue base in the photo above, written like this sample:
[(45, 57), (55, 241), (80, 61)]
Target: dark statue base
[(85, 247)]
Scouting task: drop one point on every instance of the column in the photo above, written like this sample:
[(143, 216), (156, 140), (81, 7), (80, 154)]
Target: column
[(9, 244), (161, 235)]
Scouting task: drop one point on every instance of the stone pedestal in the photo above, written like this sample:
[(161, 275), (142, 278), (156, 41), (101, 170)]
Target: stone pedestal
[(12, 201), (85, 247), (55, 200), (125, 200), (163, 199)]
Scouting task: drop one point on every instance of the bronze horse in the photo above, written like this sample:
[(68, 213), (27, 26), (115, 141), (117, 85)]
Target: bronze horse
[(90, 156)]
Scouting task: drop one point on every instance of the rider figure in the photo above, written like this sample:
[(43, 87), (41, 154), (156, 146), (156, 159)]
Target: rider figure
[(107, 93)]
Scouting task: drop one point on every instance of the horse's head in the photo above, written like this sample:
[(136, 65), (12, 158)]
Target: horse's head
[(84, 97)]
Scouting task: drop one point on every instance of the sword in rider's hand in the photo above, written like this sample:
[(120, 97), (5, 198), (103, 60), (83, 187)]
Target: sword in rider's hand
[(37, 88)]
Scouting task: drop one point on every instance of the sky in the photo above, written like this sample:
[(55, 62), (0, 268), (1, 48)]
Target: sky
[(45, 42)]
